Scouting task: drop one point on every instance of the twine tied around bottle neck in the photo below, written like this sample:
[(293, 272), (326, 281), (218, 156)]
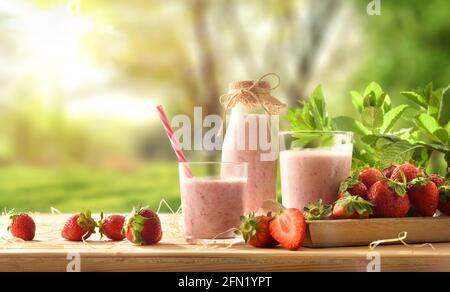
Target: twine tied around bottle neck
[(253, 93)]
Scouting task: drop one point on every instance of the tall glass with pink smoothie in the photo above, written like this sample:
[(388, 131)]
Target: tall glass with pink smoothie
[(312, 166), (252, 136), (212, 203)]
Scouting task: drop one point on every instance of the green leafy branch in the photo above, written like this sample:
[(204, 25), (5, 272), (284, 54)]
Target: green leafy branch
[(380, 138)]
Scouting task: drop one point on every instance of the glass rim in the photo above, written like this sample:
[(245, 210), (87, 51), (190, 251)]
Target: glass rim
[(213, 162), (348, 133)]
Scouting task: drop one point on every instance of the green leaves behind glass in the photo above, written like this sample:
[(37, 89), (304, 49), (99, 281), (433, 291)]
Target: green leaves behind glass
[(311, 140), (312, 114), (431, 128)]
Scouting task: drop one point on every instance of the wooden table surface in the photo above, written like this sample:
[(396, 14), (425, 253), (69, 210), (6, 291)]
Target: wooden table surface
[(49, 252)]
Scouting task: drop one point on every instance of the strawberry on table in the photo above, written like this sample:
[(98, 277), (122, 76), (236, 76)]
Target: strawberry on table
[(288, 227), (79, 227), (352, 207), (408, 170), (317, 211), (368, 176), (354, 186), (111, 226), (22, 226), (143, 227), (424, 196), (255, 231), (390, 199)]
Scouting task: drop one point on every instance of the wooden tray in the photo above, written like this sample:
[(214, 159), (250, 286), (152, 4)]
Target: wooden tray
[(354, 232)]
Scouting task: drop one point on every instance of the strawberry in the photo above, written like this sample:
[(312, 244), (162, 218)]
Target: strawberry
[(408, 170), (424, 196), (143, 227), (79, 227), (352, 207), (317, 211), (22, 226), (354, 186), (389, 198), (387, 172), (255, 230), (112, 226), (369, 176), (444, 193), (288, 227), (444, 199)]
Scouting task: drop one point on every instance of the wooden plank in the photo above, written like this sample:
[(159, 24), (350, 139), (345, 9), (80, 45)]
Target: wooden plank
[(49, 253)]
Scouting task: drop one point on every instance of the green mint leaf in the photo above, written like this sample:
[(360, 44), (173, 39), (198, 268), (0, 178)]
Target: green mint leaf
[(434, 103), (386, 104), (372, 117), (380, 100), (357, 101), (344, 123), (312, 114), (375, 88), (318, 100), (444, 113), (391, 117), (370, 100), (416, 98), (370, 139), (396, 152), (432, 128)]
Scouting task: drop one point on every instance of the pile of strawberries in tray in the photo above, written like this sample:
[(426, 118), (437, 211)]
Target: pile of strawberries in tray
[(398, 191), (141, 227)]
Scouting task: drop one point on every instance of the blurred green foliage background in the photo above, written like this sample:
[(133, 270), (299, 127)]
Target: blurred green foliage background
[(79, 81)]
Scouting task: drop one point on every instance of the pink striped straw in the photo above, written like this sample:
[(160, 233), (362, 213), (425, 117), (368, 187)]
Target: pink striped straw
[(173, 140)]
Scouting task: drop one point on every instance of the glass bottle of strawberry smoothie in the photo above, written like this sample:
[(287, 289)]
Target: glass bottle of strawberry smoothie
[(252, 136)]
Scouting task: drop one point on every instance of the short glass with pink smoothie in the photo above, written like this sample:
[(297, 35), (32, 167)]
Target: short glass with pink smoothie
[(212, 200), (312, 165)]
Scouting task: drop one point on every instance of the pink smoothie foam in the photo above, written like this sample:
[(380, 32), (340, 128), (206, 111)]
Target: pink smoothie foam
[(262, 175), (307, 175), (211, 207)]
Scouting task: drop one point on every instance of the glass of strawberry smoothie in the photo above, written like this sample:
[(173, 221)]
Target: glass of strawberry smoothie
[(212, 200), (312, 165)]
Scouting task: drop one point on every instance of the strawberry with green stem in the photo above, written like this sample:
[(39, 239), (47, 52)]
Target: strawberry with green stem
[(352, 207), (255, 230), (406, 172), (317, 211), (424, 195), (143, 227), (354, 186), (22, 226), (390, 198), (111, 226), (79, 227)]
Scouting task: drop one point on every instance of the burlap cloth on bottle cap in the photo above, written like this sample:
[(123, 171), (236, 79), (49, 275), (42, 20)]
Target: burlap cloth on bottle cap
[(253, 93)]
